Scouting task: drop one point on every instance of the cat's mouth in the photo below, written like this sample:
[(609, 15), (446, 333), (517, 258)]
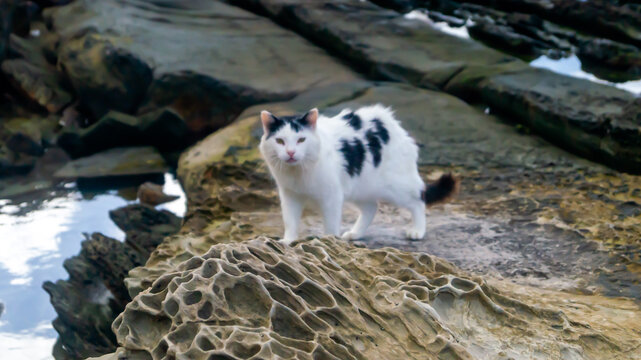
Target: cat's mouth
[(291, 160)]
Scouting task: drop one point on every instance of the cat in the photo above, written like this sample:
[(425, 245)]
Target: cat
[(361, 156)]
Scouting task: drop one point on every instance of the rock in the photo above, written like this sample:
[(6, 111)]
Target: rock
[(28, 135), (413, 51), (104, 76), (115, 162), (33, 77), (611, 54), (326, 297), (1, 309), (575, 114), (621, 22), (145, 227), (88, 302), (152, 194), (235, 58), (163, 128), (7, 10), (39, 85), (506, 38), (14, 163)]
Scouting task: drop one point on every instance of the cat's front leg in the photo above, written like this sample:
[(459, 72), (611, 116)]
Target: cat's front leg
[(292, 208), (332, 209)]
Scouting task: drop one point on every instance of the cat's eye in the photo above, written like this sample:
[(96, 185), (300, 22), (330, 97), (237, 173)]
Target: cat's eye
[(301, 140), (280, 141)]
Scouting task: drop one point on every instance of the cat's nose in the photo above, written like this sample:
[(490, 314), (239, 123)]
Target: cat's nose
[(291, 153)]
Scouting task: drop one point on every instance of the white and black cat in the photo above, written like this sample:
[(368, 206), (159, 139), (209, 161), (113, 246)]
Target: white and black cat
[(361, 156)]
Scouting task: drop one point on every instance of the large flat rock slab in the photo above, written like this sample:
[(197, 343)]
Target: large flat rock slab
[(593, 120), (116, 162), (209, 59)]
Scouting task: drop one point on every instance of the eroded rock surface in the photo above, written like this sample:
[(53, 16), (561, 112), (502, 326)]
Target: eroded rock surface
[(326, 299), (224, 288)]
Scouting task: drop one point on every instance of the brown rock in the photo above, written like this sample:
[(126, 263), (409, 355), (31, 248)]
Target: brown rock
[(152, 194)]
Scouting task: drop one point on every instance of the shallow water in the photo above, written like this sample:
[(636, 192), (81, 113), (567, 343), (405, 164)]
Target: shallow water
[(422, 15), (571, 66), (36, 237)]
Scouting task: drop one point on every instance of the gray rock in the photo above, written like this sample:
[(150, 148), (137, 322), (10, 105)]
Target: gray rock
[(579, 115), (163, 128), (116, 162), (209, 59)]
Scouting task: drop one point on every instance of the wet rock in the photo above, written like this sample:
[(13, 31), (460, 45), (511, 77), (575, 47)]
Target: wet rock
[(164, 129), (115, 162), (88, 302), (152, 194), (104, 76), (611, 54), (506, 38), (606, 19), (236, 58)]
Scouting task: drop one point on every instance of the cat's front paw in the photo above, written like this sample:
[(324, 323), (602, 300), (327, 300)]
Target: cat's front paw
[(414, 234), (350, 235), (287, 241)]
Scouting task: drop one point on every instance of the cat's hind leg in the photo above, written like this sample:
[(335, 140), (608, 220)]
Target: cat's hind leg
[(416, 230), (332, 210), (367, 213)]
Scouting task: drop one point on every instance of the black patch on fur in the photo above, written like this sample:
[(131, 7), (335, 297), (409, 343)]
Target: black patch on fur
[(274, 126), (353, 120), (296, 122), (381, 131), (354, 154), (440, 191), (374, 145)]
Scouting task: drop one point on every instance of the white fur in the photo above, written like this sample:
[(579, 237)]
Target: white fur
[(318, 175)]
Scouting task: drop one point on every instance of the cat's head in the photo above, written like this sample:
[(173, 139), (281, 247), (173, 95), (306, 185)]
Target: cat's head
[(290, 140)]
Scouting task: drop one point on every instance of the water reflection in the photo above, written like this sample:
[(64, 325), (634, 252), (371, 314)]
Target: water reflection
[(423, 15), (36, 237), (571, 66)]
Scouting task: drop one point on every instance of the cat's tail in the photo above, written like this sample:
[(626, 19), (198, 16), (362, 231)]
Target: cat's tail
[(440, 191)]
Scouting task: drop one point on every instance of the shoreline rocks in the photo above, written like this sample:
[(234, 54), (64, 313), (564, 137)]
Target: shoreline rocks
[(88, 302)]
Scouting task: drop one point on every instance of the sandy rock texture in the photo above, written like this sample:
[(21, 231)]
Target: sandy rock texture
[(226, 289)]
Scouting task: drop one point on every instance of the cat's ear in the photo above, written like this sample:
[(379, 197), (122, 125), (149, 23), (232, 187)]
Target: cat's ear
[(311, 117), (267, 119)]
